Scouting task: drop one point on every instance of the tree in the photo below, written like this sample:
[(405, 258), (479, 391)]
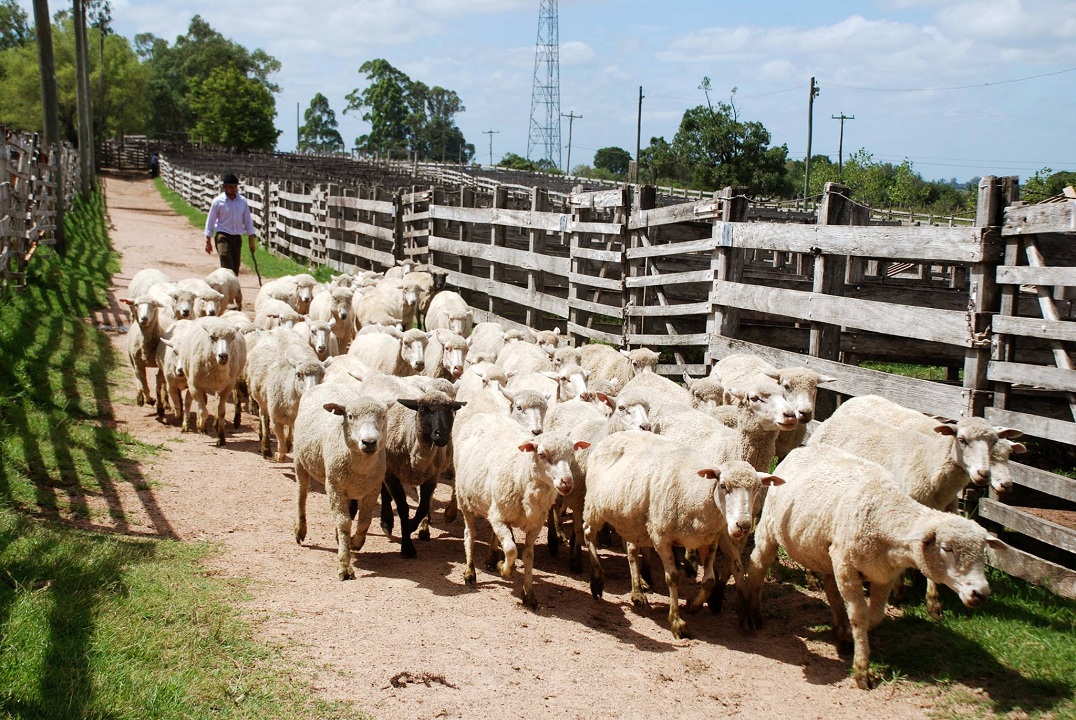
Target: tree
[(1046, 183), (513, 161), (15, 27), (613, 159), (234, 111), (319, 133)]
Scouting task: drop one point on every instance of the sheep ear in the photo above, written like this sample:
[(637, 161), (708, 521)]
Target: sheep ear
[(327, 362), (1008, 433), (994, 541), (547, 395), (458, 404), (507, 393), (709, 473), (528, 447), (944, 429), (356, 374), (332, 322), (772, 374), (823, 379), (409, 404), (127, 301), (586, 374), (1018, 448), (611, 402), (551, 374), (925, 537), (335, 408), (556, 331), (624, 352), (168, 343), (581, 445), (688, 381), (510, 374), (767, 479)]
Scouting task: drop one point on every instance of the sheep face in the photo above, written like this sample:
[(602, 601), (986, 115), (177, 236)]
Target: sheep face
[(435, 413), (222, 341), (455, 348), (771, 408), (632, 414), (552, 459), (410, 297), (341, 303), (320, 334), (565, 356), (949, 550), (144, 311), (184, 304), (707, 393), (528, 408), (740, 485), (1000, 476), (800, 387), (643, 360), (571, 382), (364, 424), (457, 322), (973, 441), (308, 375), (413, 349), (208, 304), (548, 340)]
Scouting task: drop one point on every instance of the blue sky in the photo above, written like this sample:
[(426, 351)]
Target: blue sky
[(892, 64)]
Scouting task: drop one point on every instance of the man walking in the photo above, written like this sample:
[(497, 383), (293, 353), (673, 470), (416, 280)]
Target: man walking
[(229, 216)]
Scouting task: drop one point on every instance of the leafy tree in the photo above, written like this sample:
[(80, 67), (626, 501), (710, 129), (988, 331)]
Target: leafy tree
[(1046, 183), (319, 133), (660, 162), (15, 29), (517, 162), (234, 111), (613, 159)]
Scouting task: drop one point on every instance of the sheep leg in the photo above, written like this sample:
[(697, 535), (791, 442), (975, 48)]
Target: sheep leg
[(495, 554), (469, 577), (645, 572), (387, 518), (219, 422), (399, 496), (706, 555), (203, 409), (749, 593), (302, 482), (528, 570), (575, 545), (638, 592), (421, 520), (934, 605), (342, 519), (452, 508), (731, 563), (143, 389), (878, 602), (187, 402), (365, 515), (841, 633), (237, 402), (263, 434), (597, 578), (508, 544), (850, 585), (161, 394), (554, 532), (280, 432), (672, 579)]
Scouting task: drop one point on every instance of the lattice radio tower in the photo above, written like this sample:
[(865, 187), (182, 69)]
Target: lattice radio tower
[(544, 136)]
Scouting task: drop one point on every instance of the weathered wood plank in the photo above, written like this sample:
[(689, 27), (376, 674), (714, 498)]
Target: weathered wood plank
[(1043, 427), (1034, 219), (669, 215), (923, 395), (591, 333), (384, 207), (552, 222), (676, 372), (699, 308), (659, 340), (1027, 275), (594, 307), (1043, 481), (676, 278), (350, 248), (1034, 327), (503, 255), (362, 229), (1025, 523), (694, 246), (1056, 578), (615, 256), (613, 198), (505, 291), (945, 326), (964, 245), (1034, 375), (596, 282)]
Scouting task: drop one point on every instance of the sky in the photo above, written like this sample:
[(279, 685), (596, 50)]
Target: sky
[(960, 88)]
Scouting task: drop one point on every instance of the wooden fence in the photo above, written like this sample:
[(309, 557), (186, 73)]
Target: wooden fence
[(701, 280), (28, 175)]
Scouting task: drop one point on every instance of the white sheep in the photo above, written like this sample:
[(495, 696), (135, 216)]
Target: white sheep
[(319, 335), (280, 369), (660, 393), (207, 301), (143, 337), (276, 313), (511, 478), (373, 306), (335, 305), (564, 356), (445, 355), (607, 363), (211, 355), (339, 442), (393, 353), (656, 492), (171, 383), (548, 340), (429, 283), (706, 393), (842, 516), (449, 310), (404, 295), (521, 358), (226, 282), (296, 290), (487, 339)]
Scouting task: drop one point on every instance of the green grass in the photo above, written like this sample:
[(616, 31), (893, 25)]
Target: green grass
[(922, 372), (100, 625), (269, 265)]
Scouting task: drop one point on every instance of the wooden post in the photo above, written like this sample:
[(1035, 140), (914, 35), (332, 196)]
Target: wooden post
[(397, 226), (497, 238), (1004, 346), (829, 275), (726, 265), (437, 227), (50, 112), (645, 199), (464, 265), (537, 246), (82, 84)]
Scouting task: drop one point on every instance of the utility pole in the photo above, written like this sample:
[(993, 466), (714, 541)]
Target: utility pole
[(810, 130), (298, 141), (840, 143), (491, 133), (50, 111), (638, 132), (571, 118)]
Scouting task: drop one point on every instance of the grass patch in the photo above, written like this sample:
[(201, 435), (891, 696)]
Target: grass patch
[(96, 625), (269, 264), (922, 372)]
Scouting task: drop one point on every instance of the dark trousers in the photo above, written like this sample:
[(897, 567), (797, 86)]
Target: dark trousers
[(229, 248)]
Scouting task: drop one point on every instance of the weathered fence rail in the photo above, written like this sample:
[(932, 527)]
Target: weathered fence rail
[(701, 280)]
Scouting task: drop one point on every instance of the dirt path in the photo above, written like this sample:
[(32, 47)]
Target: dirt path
[(406, 639)]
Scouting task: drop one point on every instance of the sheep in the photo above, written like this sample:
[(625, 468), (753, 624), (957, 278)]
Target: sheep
[(401, 268), (404, 297), (143, 280), (486, 338), (444, 354), (207, 301), (429, 283), (511, 478), (274, 313), (606, 363), (564, 356), (417, 453), (660, 393), (143, 337), (523, 357), (374, 306), (449, 310), (548, 340), (224, 281), (319, 335), (396, 353), (280, 369), (211, 355), (338, 442), (171, 383), (296, 290), (843, 516), (176, 303), (649, 489), (706, 393), (335, 305)]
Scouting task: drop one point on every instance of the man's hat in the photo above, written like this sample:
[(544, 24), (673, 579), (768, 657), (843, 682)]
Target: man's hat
[(229, 179)]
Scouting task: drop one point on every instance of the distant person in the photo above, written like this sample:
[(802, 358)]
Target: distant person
[(154, 165), (229, 216)]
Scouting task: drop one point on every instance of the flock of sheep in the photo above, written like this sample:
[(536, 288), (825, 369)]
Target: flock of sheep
[(526, 428)]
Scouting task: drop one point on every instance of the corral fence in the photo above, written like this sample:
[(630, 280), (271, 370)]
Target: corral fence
[(28, 182), (834, 290)]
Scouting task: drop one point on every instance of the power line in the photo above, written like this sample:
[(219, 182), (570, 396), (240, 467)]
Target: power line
[(491, 133), (954, 87)]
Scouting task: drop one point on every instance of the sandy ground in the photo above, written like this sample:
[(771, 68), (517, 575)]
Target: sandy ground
[(406, 638)]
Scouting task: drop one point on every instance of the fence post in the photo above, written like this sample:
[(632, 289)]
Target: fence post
[(726, 264), (829, 274), (397, 226), (1004, 347), (645, 199), (437, 227), (537, 246), (463, 264), (497, 238)]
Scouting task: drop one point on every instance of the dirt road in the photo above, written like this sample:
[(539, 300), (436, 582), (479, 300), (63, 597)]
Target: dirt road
[(406, 638)]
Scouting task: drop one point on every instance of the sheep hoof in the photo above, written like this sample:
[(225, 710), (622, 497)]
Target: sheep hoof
[(407, 549), (504, 569), (639, 601), (469, 577), (279, 457), (449, 515), (347, 574), (300, 532), (716, 601), (386, 527), (750, 617), (678, 628), (530, 600), (424, 534), (866, 680), (934, 608), (597, 586), (141, 399), (220, 440)]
